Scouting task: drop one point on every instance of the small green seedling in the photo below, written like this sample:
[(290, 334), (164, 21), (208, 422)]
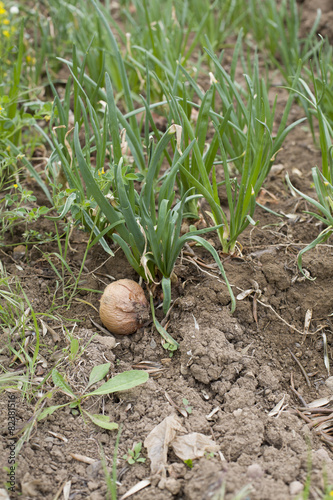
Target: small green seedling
[(187, 406), (169, 347), (121, 382), (133, 456), (189, 463)]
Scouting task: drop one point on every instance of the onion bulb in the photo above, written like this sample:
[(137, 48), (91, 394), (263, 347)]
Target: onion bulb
[(123, 307)]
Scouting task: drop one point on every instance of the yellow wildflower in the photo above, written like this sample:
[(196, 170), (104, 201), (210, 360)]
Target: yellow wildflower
[(2, 11), (101, 172), (6, 21), (47, 118), (6, 33), (20, 156), (30, 60), (15, 186)]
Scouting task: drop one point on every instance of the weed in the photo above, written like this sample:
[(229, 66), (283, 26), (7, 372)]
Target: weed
[(121, 382), (133, 455), (187, 406)]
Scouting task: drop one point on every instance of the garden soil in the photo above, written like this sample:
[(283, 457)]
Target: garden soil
[(232, 370)]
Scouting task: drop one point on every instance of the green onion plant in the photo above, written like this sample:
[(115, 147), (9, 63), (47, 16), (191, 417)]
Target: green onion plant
[(243, 142), (323, 180)]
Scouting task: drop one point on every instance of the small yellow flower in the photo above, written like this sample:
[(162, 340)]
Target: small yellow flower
[(20, 156), (28, 59), (6, 21), (2, 11), (101, 172), (1, 108), (47, 118), (6, 33), (15, 186)]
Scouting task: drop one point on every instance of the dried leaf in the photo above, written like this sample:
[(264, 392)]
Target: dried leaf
[(244, 294), (277, 407), (138, 487), (212, 413), (307, 321), (178, 408), (67, 489), (59, 436), (326, 357), (158, 440), (320, 402), (192, 446), (196, 324), (82, 458), (177, 129)]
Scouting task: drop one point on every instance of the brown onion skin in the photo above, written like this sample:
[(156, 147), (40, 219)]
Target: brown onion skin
[(123, 307)]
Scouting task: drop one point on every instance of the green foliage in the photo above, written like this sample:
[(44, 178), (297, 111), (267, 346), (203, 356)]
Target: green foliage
[(279, 34), (121, 382), (145, 222), (16, 207), (133, 456), (324, 206), (243, 135), (187, 406), (323, 181)]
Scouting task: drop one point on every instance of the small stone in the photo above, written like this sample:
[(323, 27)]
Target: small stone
[(254, 471), (94, 469), (329, 383), (237, 413), (108, 342), (295, 488), (96, 495), (92, 485), (323, 455), (173, 485), (18, 252), (4, 495)]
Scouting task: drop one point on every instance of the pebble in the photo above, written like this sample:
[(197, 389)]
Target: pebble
[(18, 252), (94, 469), (3, 494), (295, 488), (323, 455), (108, 342), (329, 383), (254, 471), (96, 495), (92, 485), (173, 485)]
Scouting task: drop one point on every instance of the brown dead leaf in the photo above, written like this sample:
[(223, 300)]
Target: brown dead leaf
[(158, 441), (192, 446)]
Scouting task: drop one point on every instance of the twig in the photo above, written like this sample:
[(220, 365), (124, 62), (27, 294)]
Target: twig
[(292, 387), (286, 323), (301, 368)]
